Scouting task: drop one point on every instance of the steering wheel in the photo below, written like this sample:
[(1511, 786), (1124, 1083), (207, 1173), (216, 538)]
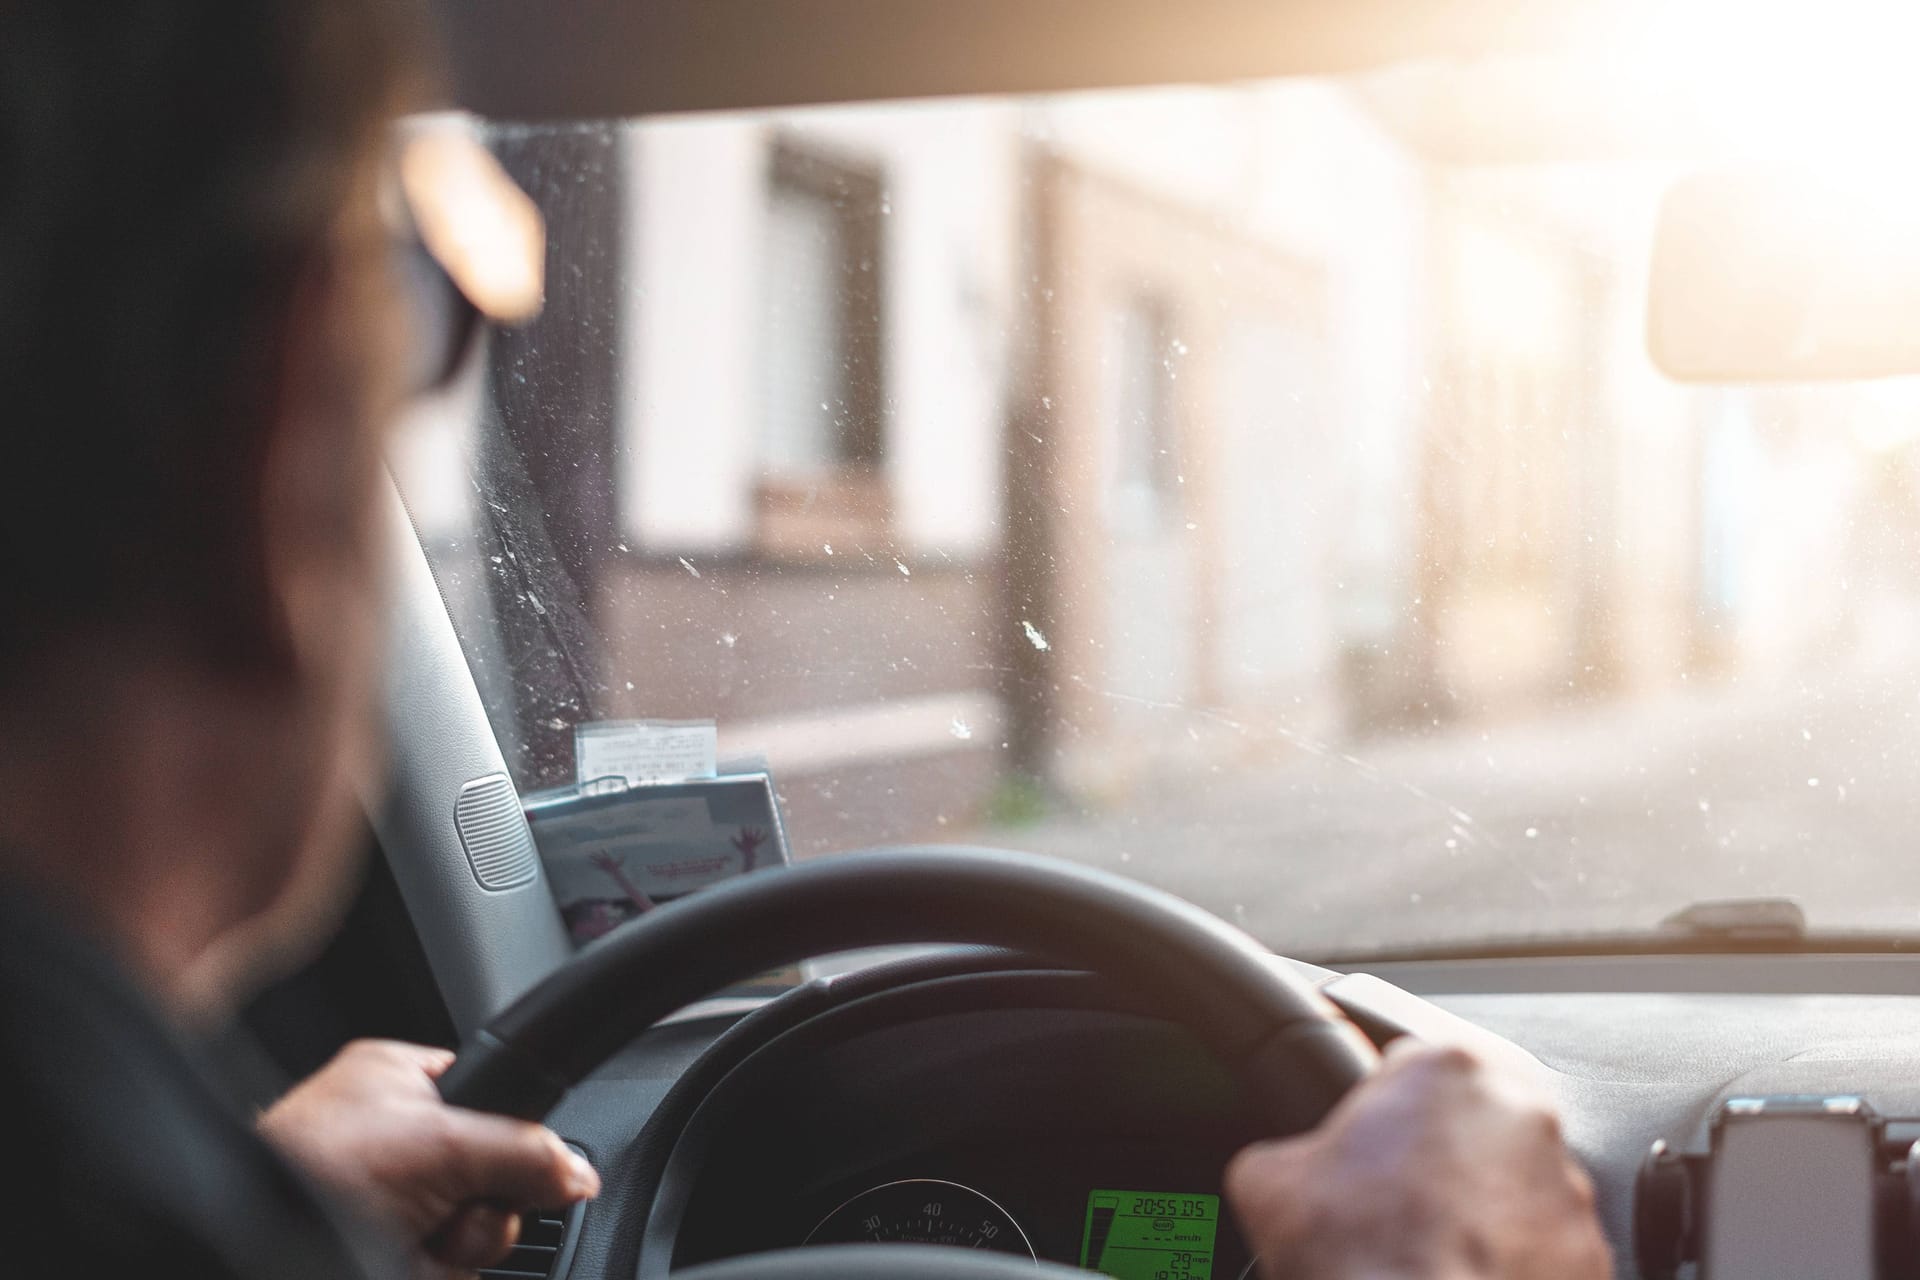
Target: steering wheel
[(1293, 1053)]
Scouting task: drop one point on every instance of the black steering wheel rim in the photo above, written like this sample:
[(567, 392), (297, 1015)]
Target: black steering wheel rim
[(880, 1262), (1293, 1052)]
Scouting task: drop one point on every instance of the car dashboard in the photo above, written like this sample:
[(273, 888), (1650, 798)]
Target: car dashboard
[(1053, 1127)]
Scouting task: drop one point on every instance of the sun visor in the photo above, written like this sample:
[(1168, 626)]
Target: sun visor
[(484, 231)]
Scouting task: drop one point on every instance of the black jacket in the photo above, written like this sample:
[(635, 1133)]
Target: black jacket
[(123, 1154)]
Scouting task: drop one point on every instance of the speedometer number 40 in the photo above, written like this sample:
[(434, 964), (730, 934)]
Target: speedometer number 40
[(923, 1211)]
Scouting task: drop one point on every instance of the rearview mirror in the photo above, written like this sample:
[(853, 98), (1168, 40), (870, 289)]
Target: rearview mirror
[(1759, 278)]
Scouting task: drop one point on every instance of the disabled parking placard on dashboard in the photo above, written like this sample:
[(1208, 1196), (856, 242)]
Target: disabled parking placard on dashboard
[(614, 853)]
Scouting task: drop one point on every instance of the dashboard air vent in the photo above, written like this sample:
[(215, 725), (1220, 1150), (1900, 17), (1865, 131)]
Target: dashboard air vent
[(545, 1248)]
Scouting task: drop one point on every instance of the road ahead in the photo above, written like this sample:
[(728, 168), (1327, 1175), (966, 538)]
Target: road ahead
[(1597, 819)]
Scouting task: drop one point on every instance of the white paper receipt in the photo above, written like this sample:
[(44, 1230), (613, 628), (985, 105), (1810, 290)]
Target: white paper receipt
[(645, 750)]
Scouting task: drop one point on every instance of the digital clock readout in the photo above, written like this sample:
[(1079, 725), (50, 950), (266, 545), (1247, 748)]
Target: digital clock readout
[(1150, 1235)]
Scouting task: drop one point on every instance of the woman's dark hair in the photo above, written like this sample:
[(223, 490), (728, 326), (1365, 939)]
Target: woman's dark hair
[(168, 169)]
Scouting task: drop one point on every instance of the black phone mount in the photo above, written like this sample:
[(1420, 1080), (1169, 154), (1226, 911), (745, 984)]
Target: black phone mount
[(1670, 1191)]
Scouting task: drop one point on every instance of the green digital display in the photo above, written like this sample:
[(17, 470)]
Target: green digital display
[(1150, 1235)]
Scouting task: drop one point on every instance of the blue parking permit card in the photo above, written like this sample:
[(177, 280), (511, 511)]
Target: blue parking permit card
[(612, 856)]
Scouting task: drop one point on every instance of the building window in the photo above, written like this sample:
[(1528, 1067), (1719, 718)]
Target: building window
[(1144, 467), (822, 366), (822, 358)]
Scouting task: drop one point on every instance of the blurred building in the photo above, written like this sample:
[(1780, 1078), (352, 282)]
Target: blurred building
[(1227, 300), (934, 449), (1519, 454), (811, 462)]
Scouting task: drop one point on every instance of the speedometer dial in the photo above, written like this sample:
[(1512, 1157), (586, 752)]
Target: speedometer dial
[(923, 1211)]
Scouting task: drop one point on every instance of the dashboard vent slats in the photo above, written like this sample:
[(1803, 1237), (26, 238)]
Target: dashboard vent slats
[(545, 1248)]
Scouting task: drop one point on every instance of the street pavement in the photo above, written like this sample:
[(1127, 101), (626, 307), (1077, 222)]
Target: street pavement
[(1580, 820)]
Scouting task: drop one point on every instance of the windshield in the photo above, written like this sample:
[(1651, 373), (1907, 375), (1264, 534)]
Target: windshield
[(1231, 487)]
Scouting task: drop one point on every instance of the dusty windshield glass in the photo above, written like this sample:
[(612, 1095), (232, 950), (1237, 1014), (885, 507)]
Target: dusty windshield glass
[(1229, 487)]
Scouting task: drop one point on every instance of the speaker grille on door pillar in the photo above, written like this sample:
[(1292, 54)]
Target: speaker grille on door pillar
[(493, 831)]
